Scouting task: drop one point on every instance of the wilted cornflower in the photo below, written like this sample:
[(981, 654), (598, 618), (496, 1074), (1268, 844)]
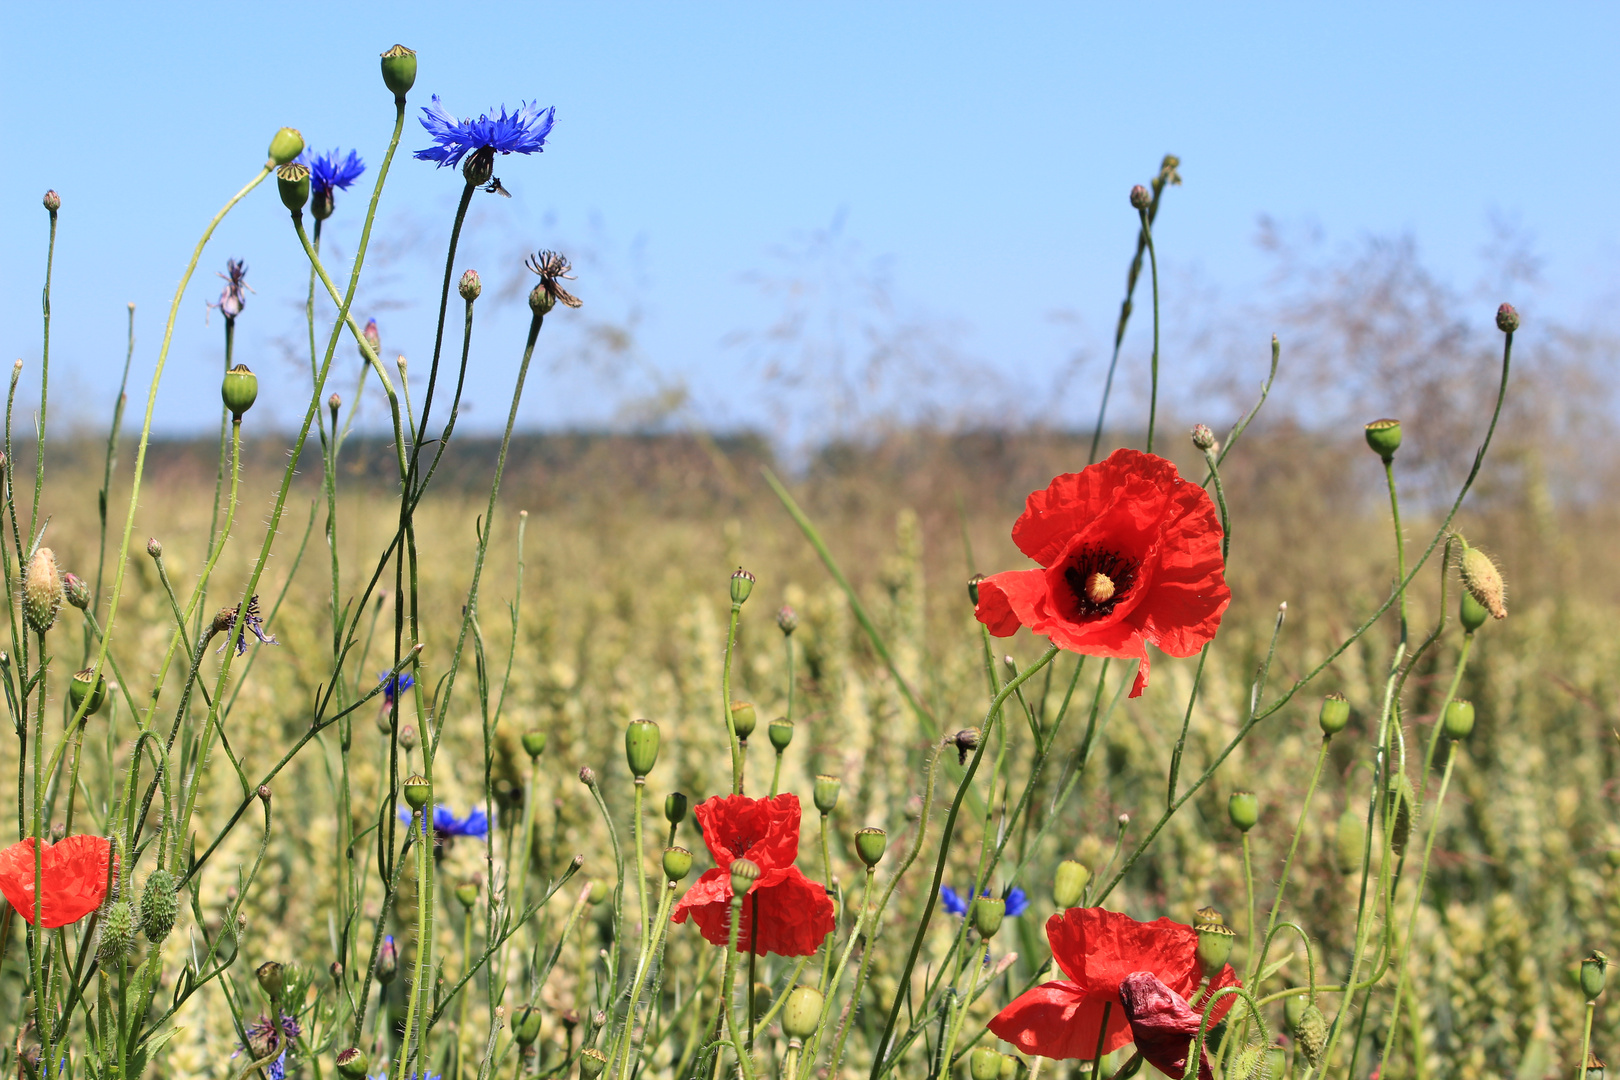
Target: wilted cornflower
[(520, 132), (394, 684), (263, 1037), (552, 268), (231, 299), (328, 172), (252, 623)]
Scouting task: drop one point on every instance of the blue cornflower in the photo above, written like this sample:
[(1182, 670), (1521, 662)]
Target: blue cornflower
[(520, 132), (414, 1076), (446, 824), (394, 684), (332, 170), (957, 902)]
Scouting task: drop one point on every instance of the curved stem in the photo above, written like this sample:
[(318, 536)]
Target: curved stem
[(1258, 965)]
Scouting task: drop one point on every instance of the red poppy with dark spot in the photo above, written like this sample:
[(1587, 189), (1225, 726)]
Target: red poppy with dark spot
[(1098, 950), (1130, 556), (1163, 1025), (794, 913), (77, 873)]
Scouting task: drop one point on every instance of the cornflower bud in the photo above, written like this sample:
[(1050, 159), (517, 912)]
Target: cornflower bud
[(1243, 807), (285, 145), (1593, 975), (470, 287), (641, 748), (1141, 198), (1202, 437), (1335, 714), (744, 872), (399, 71), (870, 845), (53, 201), (988, 911), (334, 403), (1507, 319), (42, 590), (154, 547), (802, 1012), (1384, 436), (239, 391), (742, 583), (985, 1063), (351, 1063), (825, 793), (292, 181), (407, 736), (780, 732), (534, 743), (373, 338), (677, 863), (744, 718), (1459, 718), (787, 620), (1483, 581), (1069, 884), (675, 808), (76, 591), (387, 961)]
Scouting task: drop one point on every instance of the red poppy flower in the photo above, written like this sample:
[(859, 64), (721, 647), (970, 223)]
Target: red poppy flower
[(1130, 555), (77, 871), (1097, 950), (1162, 1024), (795, 914)]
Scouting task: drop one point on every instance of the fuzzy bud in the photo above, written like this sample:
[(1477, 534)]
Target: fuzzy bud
[(534, 743), (802, 1012), (787, 620), (1334, 715), (641, 747), (1069, 884), (1384, 436), (677, 863), (744, 719), (824, 793), (1593, 975), (285, 145), (1202, 437), (117, 933), (76, 591), (159, 906), (351, 1063), (1484, 581), (1507, 318), (780, 732), (742, 583), (470, 287), (1312, 1033), (1141, 198), (744, 872), (42, 590), (399, 71), (675, 808), (870, 845), (1459, 719), (1243, 807)]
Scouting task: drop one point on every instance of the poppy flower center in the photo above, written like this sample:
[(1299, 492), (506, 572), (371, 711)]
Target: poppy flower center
[(1099, 580)]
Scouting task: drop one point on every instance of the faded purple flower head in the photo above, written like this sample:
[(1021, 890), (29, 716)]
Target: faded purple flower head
[(231, 299), (252, 623), (520, 132)]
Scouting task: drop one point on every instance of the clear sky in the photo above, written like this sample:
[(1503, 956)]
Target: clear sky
[(976, 156)]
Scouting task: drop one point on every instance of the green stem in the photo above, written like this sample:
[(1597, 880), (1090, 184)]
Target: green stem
[(1400, 538), (642, 911), (1258, 965), (1153, 269), (1586, 1042), (725, 704)]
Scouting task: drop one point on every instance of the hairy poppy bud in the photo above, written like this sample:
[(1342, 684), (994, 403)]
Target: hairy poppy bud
[(677, 863), (534, 743), (744, 872), (467, 894), (292, 181), (117, 933), (973, 589), (1507, 319), (825, 793), (470, 287), (42, 590), (787, 620), (1351, 840), (870, 845), (1384, 436), (802, 1012), (76, 591), (84, 685), (1459, 719), (1470, 612), (988, 911), (1243, 807), (399, 71), (53, 201), (285, 145), (159, 907), (1335, 714), (387, 960), (675, 808), (1202, 437), (239, 390), (641, 748), (526, 1025), (1401, 798), (1140, 197), (1593, 975), (1069, 884), (592, 1062), (1215, 941), (1484, 581), (272, 979), (351, 1063), (1276, 1060), (744, 718), (1312, 1033), (416, 791), (985, 1064), (742, 583)]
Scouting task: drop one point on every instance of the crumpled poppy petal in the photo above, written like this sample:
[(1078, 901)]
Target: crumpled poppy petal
[(77, 873), (764, 830), (1059, 1020), (1163, 1025), (795, 914)]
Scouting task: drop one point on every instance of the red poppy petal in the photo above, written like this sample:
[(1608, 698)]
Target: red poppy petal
[(1162, 1024), (1059, 1020), (765, 830), (78, 871), (17, 877), (795, 915), (1072, 501), (1009, 600)]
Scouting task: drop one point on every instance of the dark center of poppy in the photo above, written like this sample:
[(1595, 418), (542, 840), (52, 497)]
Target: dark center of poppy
[(1099, 580)]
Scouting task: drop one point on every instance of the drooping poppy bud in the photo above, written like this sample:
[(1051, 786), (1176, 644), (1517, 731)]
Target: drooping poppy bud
[(1069, 884), (1335, 714), (1312, 1033), (802, 1012), (641, 748), (1484, 581), (1384, 436)]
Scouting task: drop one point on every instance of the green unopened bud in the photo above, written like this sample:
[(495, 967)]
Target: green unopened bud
[(540, 301), (744, 719), (1243, 807), (467, 894), (641, 747), (802, 1012), (592, 1062), (985, 1064), (285, 145), (470, 287), (1459, 718), (742, 583), (1384, 436), (399, 71), (1470, 612), (825, 793), (387, 960), (272, 979), (781, 732), (787, 620), (1215, 942), (526, 1025), (1069, 884), (599, 890), (85, 686), (159, 906), (416, 791), (744, 872), (677, 863), (373, 339), (76, 591), (117, 933), (42, 590), (351, 1063), (870, 845), (239, 390), (534, 743), (1312, 1033), (1294, 1009), (407, 736), (292, 181), (1351, 840), (675, 808), (1401, 800), (760, 1000), (1141, 198), (1507, 319), (1335, 714), (1482, 579), (1593, 975), (988, 911), (1202, 437)]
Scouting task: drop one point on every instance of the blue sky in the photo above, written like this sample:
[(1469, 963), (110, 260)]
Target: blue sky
[(975, 158)]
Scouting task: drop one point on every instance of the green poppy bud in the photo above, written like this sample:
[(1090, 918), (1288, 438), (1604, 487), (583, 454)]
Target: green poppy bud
[(416, 791), (802, 1012), (1593, 974), (1009, 1067), (1351, 840), (781, 732), (870, 845), (467, 894), (239, 391), (677, 863), (42, 590), (675, 808), (1215, 942), (1507, 319), (1482, 579), (1335, 714), (1243, 807), (985, 1064), (84, 685), (285, 145), (526, 1025), (1312, 1033), (742, 583), (1384, 436), (351, 1063), (534, 743), (744, 872), (117, 933), (825, 793), (159, 907), (1401, 800), (743, 718), (641, 747), (1276, 1061), (591, 1063), (1294, 1009), (761, 1000), (292, 180), (1470, 612), (988, 911), (399, 71), (1069, 884), (1459, 718)]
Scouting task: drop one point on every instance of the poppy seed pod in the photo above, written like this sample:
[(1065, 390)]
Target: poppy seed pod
[(1594, 1066), (399, 71), (592, 1062), (239, 391), (675, 808), (1334, 715), (1470, 612), (641, 748), (742, 583), (780, 732), (159, 907), (985, 1064), (416, 791), (352, 1063), (42, 590), (1009, 1067), (84, 685), (285, 145), (272, 979), (744, 719), (1215, 941), (787, 620), (802, 1012), (1507, 318), (526, 1025), (117, 933), (76, 591), (1069, 884), (292, 181), (744, 872), (870, 845), (467, 894), (1459, 719), (1243, 807), (470, 287), (825, 793), (677, 863), (1484, 581), (534, 743), (1593, 975), (1384, 436), (988, 912)]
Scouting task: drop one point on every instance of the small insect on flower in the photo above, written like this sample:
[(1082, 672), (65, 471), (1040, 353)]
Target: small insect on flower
[(520, 132), (231, 299), (552, 268)]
